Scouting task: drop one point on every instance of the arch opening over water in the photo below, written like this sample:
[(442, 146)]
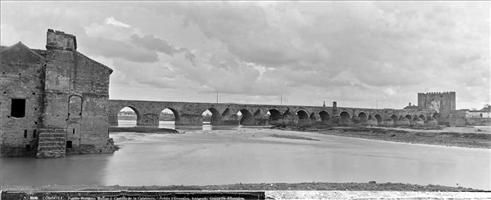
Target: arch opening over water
[(302, 115), (324, 115), (378, 118), (245, 117), (168, 118), (362, 116), (210, 116), (436, 115), (128, 117), (344, 115), (394, 118), (422, 117), (274, 115), (408, 117)]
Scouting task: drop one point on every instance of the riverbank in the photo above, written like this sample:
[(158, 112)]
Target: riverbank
[(142, 130), (419, 136), (312, 186)]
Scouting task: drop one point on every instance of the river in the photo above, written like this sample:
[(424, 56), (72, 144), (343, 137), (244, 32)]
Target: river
[(245, 155)]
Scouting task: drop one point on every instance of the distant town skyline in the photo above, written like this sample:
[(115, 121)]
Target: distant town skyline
[(360, 54)]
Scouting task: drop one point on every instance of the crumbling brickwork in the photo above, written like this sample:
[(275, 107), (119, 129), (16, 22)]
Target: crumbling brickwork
[(66, 97)]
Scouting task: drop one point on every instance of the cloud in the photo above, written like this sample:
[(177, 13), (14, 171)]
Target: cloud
[(353, 52), (114, 22)]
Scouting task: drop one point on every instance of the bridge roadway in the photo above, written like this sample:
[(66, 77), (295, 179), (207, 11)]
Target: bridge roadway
[(190, 113)]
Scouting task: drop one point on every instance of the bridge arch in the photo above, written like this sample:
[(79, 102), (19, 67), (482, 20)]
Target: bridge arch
[(408, 117), (211, 115), (246, 117), (324, 115), (168, 118), (344, 117), (302, 115), (436, 115), (274, 115), (394, 117), (128, 116), (422, 117), (379, 119), (362, 116)]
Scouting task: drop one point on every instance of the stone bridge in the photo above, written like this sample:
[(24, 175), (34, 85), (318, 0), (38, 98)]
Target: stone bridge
[(190, 113)]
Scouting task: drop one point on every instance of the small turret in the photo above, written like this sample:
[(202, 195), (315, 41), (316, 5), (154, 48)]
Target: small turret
[(60, 41)]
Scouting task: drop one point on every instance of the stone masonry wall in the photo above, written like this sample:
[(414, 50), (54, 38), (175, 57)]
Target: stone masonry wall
[(66, 100), (21, 74)]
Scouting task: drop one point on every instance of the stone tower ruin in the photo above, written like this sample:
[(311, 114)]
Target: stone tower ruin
[(442, 103)]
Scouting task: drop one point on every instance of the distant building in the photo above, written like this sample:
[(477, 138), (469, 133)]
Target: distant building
[(411, 107), (53, 101), (483, 113)]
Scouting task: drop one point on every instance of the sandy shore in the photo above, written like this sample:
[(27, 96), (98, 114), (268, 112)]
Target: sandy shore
[(472, 139)]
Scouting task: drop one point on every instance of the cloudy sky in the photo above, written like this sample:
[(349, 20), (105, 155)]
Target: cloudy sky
[(361, 54)]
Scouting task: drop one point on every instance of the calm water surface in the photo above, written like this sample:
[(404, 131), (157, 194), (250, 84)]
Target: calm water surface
[(201, 157)]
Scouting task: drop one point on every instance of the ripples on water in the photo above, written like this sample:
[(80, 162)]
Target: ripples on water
[(201, 157)]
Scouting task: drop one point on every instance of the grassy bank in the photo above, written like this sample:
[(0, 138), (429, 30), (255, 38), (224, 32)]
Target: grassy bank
[(471, 140), (371, 186)]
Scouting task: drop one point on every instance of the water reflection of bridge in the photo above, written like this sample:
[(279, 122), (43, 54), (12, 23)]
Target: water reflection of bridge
[(190, 113)]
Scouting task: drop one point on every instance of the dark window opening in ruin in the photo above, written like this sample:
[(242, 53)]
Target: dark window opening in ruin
[(34, 133), (68, 144), (25, 133), (18, 108), (75, 107), (28, 147), (73, 131)]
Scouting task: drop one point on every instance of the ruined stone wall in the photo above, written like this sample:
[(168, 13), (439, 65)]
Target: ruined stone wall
[(66, 97), (79, 88), (90, 83), (21, 75)]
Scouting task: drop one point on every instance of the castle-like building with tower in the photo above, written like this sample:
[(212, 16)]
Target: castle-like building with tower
[(55, 102)]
